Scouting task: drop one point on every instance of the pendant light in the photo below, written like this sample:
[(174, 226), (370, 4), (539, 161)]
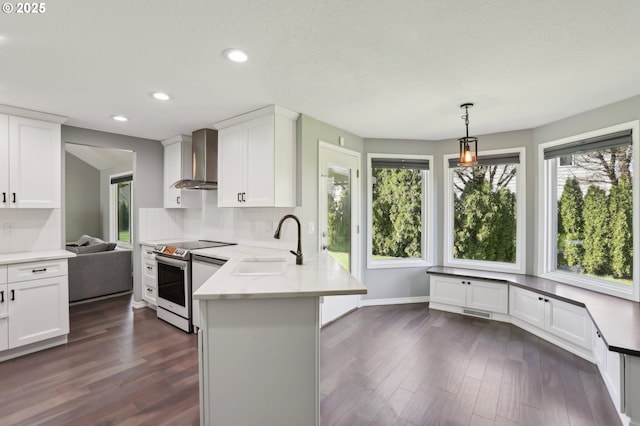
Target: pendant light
[(468, 144)]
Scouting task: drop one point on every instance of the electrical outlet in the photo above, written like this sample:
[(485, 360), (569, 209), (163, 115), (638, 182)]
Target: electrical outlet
[(311, 228)]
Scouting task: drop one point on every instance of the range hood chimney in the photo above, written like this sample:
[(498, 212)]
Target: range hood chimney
[(204, 153)]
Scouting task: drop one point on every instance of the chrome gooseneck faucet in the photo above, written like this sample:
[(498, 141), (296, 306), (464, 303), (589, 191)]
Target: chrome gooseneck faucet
[(297, 253)]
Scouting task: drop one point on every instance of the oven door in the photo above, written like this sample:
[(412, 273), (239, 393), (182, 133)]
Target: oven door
[(174, 286)]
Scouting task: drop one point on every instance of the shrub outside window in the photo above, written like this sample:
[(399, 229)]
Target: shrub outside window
[(589, 212), (399, 210), (121, 208), (484, 220)]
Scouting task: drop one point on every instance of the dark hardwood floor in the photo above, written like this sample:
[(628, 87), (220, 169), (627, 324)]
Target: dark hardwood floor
[(388, 365)]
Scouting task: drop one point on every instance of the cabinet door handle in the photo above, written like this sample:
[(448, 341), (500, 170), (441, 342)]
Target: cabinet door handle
[(149, 267), (539, 298), (14, 197), (243, 200), (149, 290), (4, 197), (546, 300), (35, 271), (2, 296), (178, 200), (13, 294), (598, 333), (239, 200)]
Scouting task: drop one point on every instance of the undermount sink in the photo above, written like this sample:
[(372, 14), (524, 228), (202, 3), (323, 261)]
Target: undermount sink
[(261, 266)]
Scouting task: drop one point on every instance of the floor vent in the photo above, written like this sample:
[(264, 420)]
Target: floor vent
[(481, 314)]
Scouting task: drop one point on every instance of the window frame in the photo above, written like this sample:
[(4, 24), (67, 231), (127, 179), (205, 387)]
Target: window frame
[(113, 210), (521, 199), (548, 226), (427, 205)]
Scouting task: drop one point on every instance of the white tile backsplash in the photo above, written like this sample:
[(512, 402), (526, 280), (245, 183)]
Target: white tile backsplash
[(30, 229), (158, 224), (254, 226)]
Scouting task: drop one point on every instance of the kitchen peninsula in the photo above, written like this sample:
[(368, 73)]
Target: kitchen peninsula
[(259, 341)]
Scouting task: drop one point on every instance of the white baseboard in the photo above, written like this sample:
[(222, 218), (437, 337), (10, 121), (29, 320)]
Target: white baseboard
[(395, 301), (139, 305)]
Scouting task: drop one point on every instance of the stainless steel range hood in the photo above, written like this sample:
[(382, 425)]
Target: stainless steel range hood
[(204, 153)]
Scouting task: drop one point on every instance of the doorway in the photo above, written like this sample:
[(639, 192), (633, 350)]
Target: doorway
[(98, 193), (339, 220)]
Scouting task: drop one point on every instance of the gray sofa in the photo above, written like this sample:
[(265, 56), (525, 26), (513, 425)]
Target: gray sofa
[(99, 274)]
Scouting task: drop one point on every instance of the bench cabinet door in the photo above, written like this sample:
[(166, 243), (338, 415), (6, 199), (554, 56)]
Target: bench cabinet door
[(526, 306), (449, 291)]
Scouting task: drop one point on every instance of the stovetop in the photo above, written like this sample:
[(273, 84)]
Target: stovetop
[(182, 249)]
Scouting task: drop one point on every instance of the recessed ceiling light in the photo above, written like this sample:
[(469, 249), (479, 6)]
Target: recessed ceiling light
[(235, 55), (161, 96), (119, 118)]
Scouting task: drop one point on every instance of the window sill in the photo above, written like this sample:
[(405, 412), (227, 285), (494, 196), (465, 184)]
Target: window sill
[(486, 266), (398, 263), (617, 290)]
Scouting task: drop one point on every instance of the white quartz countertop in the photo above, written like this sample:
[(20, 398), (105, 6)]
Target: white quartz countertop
[(318, 276), (34, 256)]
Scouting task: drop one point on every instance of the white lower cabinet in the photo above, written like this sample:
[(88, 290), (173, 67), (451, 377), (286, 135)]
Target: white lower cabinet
[(34, 303), (564, 320), (611, 366), (481, 295), (38, 310), (149, 274), (4, 309)]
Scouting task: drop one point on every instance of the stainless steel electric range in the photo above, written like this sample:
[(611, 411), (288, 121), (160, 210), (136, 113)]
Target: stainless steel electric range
[(175, 296)]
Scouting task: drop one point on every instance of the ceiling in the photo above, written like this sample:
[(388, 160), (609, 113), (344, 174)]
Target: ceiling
[(101, 158), (378, 69)]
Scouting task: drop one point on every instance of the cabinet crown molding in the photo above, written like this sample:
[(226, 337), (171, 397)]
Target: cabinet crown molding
[(268, 110), (27, 113), (175, 139)]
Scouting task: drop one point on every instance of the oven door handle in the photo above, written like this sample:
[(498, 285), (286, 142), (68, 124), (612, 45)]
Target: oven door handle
[(172, 262)]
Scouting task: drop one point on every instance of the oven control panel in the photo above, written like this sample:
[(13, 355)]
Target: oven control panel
[(171, 251)]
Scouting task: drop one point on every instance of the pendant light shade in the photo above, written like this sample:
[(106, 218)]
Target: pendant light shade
[(468, 144)]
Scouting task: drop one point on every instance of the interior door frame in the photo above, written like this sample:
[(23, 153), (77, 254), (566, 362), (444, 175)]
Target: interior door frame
[(356, 203)]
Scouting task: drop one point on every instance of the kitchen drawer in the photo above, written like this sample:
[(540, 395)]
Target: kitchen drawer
[(149, 294), (149, 270), (3, 274), (150, 282), (147, 253), (36, 270)]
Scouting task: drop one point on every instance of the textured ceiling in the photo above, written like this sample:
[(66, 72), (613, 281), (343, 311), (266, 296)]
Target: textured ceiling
[(383, 68)]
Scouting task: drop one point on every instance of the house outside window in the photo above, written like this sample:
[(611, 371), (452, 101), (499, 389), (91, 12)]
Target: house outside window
[(400, 207), (589, 219), (485, 212), (121, 208)]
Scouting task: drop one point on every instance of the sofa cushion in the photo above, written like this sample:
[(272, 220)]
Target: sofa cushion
[(89, 244), (88, 240), (92, 248)]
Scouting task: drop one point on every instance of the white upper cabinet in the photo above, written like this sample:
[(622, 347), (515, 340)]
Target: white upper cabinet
[(30, 163), (257, 159), (178, 166)]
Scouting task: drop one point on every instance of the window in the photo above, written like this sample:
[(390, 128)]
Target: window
[(399, 210), (121, 219), (588, 216), (565, 160), (484, 217)]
